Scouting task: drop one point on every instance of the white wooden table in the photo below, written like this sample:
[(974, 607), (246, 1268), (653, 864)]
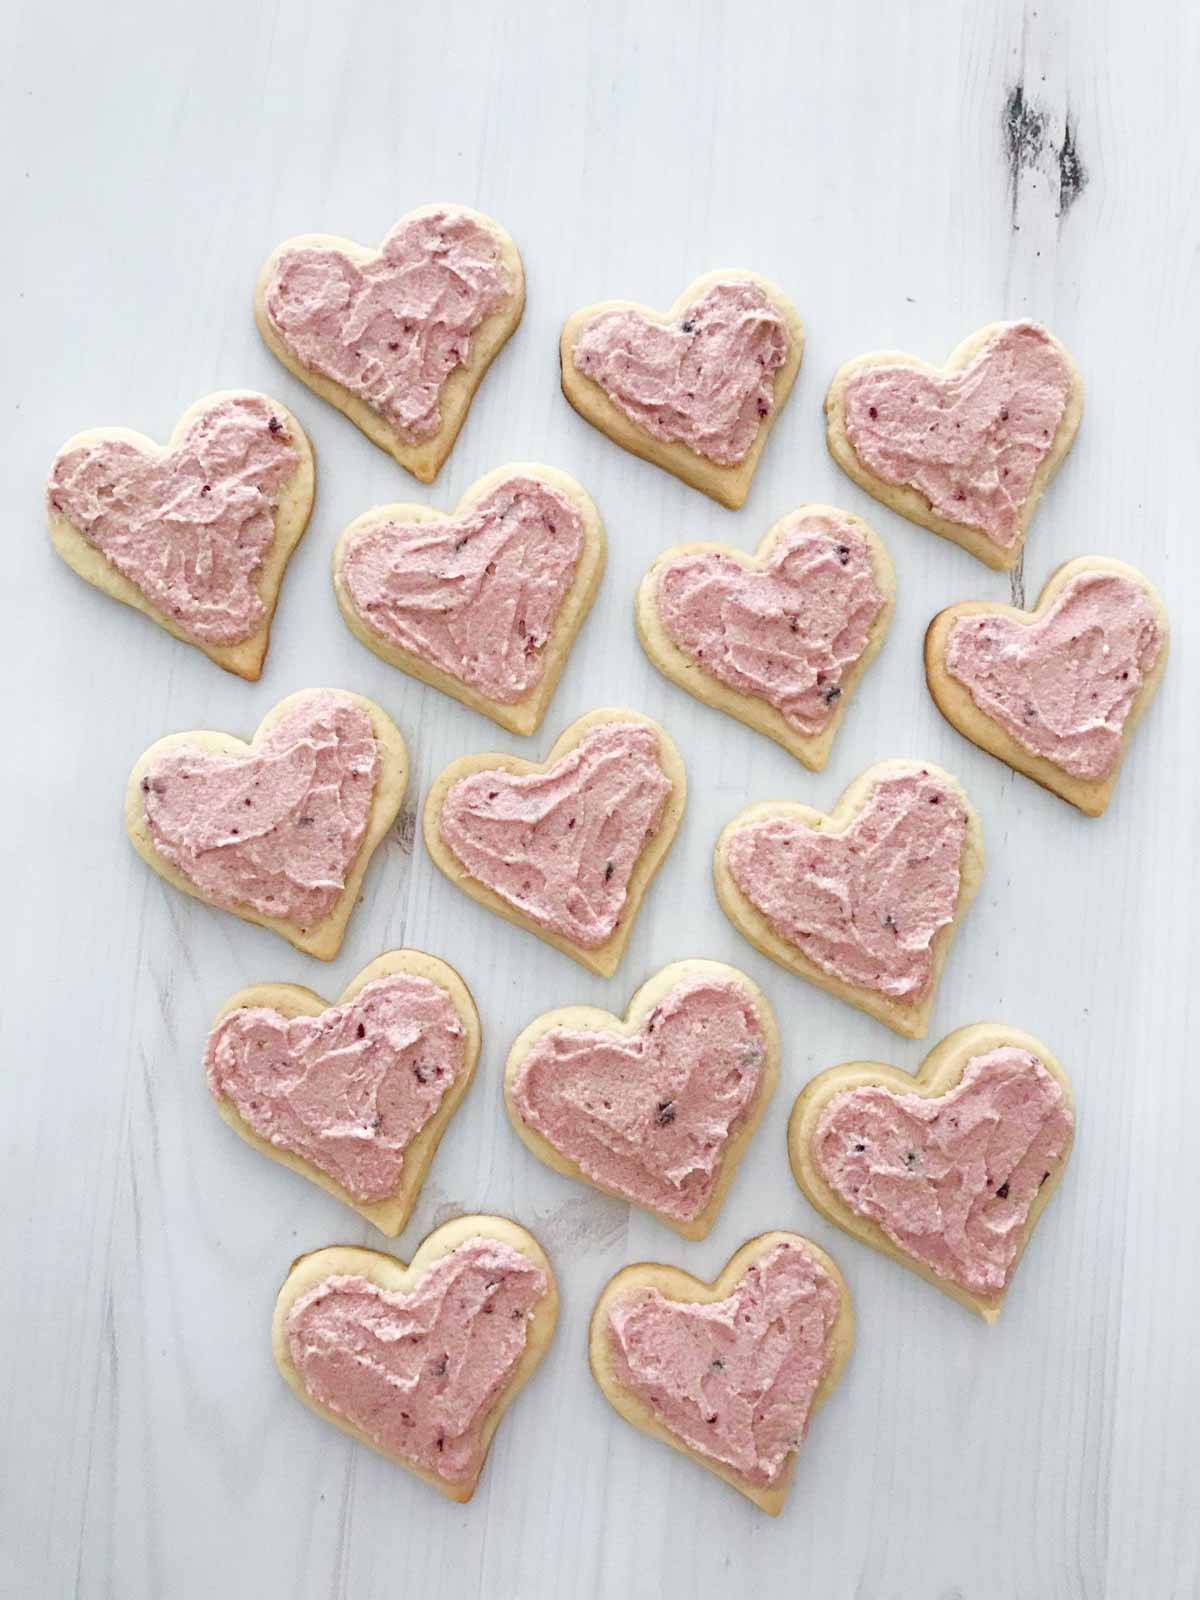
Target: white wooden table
[(901, 170)]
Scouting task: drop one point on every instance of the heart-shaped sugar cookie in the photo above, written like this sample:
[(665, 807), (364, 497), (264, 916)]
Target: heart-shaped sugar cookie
[(696, 390), (728, 1373), (965, 449), (279, 831), (779, 639), (1056, 692), (485, 604), (196, 534), (862, 902), (419, 1362), (657, 1108), (397, 338), (355, 1096), (566, 847), (947, 1172)]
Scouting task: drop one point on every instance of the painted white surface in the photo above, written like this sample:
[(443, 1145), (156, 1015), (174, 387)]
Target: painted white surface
[(151, 156)]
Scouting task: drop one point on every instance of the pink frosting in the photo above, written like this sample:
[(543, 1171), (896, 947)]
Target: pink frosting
[(349, 1089), (391, 330), (476, 595), (706, 380), (419, 1372), (648, 1115), (950, 1179), (786, 634), (1063, 686), (735, 1379), (864, 904), (972, 440), (276, 830), (560, 845), (190, 529)]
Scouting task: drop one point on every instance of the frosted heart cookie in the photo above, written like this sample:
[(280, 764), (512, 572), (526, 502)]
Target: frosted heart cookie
[(397, 338), (485, 604), (863, 902), (779, 639), (354, 1096), (947, 1172), (1056, 692), (965, 449), (696, 390), (566, 847), (728, 1373), (279, 831), (419, 1362), (196, 533), (657, 1108)]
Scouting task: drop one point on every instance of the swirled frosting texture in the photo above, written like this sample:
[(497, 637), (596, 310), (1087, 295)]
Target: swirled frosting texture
[(392, 328), (705, 380), (950, 1178), (190, 528), (478, 595), (971, 441), (347, 1090), (418, 1371), (1062, 686), (787, 633), (648, 1115), (560, 845), (735, 1379), (278, 829), (864, 904)]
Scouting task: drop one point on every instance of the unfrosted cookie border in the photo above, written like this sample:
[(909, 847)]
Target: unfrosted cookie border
[(324, 939), (245, 657), (424, 459), (954, 700), (727, 485), (810, 749), (911, 1019), (911, 503), (676, 1284), (940, 1072), (390, 1273), (592, 1019), (293, 1000), (603, 958), (523, 716)]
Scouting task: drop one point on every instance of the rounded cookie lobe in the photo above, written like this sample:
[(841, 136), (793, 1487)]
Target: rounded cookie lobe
[(864, 904), (476, 596), (787, 634), (648, 1116), (391, 329), (970, 440), (418, 1371), (276, 830), (560, 845), (1063, 685), (192, 526), (705, 380), (950, 1179), (349, 1089), (734, 1379)]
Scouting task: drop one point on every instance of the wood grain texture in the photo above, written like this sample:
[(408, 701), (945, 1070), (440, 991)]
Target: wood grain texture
[(904, 174)]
